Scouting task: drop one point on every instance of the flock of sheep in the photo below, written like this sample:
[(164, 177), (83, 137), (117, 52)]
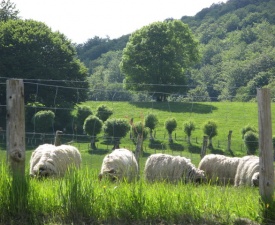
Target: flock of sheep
[(55, 160)]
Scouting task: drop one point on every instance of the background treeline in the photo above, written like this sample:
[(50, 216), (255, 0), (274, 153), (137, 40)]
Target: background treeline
[(237, 40)]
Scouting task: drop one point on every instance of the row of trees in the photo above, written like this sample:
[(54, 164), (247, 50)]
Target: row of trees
[(115, 129)]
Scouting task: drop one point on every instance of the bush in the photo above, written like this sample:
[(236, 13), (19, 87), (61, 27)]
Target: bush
[(251, 141), (43, 120)]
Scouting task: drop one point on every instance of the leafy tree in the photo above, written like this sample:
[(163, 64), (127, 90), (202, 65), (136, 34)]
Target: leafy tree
[(210, 129), (188, 127), (92, 126), (170, 125), (248, 128), (8, 11), (116, 129), (151, 122), (251, 141), (139, 131), (82, 112), (43, 121), (103, 112), (159, 54), (30, 50)]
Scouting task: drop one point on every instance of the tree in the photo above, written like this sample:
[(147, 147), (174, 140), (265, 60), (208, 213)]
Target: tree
[(156, 57), (92, 126), (251, 141), (8, 11), (116, 129), (210, 129), (139, 131), (248, 128), (170, 126), (30, 50), (151, 122), (82, 113), (43, 121), (103, 112), (188, 127)]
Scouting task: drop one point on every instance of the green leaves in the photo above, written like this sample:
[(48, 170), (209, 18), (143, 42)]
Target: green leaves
[(156, 57)]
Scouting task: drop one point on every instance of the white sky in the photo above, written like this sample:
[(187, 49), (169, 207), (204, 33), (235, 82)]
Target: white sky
[(84, 19)]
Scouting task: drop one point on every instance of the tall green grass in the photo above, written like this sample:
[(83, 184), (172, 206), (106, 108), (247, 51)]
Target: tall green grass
[(80, 198)]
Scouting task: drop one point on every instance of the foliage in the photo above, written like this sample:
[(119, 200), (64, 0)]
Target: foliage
[(30, 50), (210, 128), (103, 112), (188, 127), (92, 126), (151, 121), (251, 141), (116, 129), (43, 120), (8, 11), (160, 52), (138, 128), (170, 125), (248, 128), (82, 112)]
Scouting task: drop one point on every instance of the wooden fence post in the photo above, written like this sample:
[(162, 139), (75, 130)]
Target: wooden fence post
[(204, 146), (266, 182), (16, 126), (229, 143)]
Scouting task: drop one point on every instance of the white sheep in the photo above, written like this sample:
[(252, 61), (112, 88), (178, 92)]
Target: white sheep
[(219, 169), (120, 164), (164, 167), (49, 160), (248, 171)]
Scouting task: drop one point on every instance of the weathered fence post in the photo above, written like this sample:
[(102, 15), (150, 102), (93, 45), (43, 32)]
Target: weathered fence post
[(204, 146), (229, 143), (266, 182), (16, 126)]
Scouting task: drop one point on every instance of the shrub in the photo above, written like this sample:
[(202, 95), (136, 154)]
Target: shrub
[(251, 141)]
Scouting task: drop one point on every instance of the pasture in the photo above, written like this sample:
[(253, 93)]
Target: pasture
[(80, 198)]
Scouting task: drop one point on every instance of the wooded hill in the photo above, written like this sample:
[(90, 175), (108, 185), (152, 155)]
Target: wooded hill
[(237, 44)]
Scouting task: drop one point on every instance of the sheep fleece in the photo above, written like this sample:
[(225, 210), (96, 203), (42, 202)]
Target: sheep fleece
[(120, 164), (248, 171), (163, 167), (51, 160), (219, 169)]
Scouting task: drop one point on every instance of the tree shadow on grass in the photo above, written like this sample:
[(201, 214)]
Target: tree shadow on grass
[(184, 107), (158, 145), (98, 152), (194, 149), (176, 147)]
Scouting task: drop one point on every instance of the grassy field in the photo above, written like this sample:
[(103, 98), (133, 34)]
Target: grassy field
[(80, 198)]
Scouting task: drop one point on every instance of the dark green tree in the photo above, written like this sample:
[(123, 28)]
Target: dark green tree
[(151, 122), (170, 125), (31, 51), (156, 57), (210, 129), (8, 11), (82, 112), (43, 121), (116, 129), (251, 141), (103, 112), (248, 128), (92, 126), (188, 128)]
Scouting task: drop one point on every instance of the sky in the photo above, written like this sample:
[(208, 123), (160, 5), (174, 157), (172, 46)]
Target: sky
[(84, 19)]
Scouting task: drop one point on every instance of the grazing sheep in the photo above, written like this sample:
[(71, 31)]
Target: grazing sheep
[(163, 167), (121, 164), (49, 160), (219, 169), (248, 171)]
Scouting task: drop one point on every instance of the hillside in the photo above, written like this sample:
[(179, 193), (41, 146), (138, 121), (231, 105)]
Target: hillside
[(237, 46)]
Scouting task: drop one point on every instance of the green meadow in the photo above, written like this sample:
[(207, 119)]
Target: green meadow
[(80, 198)]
